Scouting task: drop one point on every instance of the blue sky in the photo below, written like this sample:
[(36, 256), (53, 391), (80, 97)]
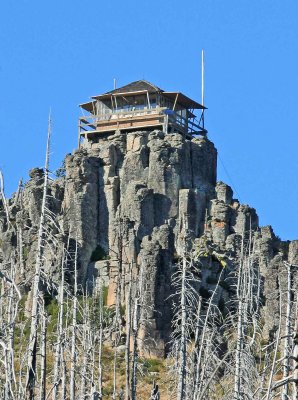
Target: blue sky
[(59, 53)]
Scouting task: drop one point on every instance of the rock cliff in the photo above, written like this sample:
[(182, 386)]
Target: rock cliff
[(137, 199)]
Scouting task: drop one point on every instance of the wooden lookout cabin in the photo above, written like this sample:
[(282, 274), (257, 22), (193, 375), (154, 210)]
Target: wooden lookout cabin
[(140, 105)]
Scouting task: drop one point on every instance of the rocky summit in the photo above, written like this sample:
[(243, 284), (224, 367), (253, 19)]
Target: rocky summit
[(143, 198)]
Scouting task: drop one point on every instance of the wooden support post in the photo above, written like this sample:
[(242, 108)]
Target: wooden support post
[(175, 101), (79, 135), (148, 99)]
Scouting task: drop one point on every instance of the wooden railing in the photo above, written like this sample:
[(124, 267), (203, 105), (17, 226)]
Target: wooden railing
[(91, 123)]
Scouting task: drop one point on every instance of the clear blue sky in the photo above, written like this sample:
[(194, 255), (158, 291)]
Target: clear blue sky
[(59, 53)]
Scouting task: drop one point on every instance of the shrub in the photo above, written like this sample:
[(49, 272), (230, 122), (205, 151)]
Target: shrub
[(99, 254)]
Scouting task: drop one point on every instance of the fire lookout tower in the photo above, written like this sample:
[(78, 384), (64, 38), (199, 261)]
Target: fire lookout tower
[(140, 105)]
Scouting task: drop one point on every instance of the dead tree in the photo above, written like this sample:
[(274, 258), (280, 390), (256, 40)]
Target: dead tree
[(295, 356), (73, 357), (58, 365), (100, 342), (289, 360), (85, 343), (155, 392), (276, 348), (119, 292), (186, 303), (43, 353), (136, 321), (10, 297), (247, 298), (288, 333), (4, 198), (128, 337), (32, 347), (206, 326)]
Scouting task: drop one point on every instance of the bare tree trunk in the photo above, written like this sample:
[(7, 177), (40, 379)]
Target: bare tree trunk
[(198, 380), (100, 341), (84, 345), (239, 345), (183, 340), (269, 388), (117, 334), (92, 349), (63, 375), (117, 331), (195, 369), (4, 198), (59, 346), (128, 336), (73, 357), (201, 395), (295, 355), (239, 348), (286, 368), (12, 314), (10, 297), (43, 354), (8, 350), (135, 332), (2, 305), (31, 365)]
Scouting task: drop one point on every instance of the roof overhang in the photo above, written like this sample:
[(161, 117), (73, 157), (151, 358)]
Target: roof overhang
[(184, 100), (178, 97), (90, 106)]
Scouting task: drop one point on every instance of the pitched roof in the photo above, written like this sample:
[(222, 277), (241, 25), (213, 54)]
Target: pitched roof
[(137, 86)]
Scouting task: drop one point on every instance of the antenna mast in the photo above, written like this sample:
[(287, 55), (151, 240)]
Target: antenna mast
[(203, 66), (203, 84)]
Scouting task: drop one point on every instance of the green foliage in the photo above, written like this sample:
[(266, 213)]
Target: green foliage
[(122, 310), (99, 254), (25, 252), (204, 293), (61, 171), (52, 310), (22, 326), (225, 285), (107, 390), (152, 365), (211, 280), (105, 292), (222, 305)]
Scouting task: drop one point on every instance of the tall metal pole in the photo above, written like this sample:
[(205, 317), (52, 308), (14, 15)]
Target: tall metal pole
[(203, 85), (203, 67)]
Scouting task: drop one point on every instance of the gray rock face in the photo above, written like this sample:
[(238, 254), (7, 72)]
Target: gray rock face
[(125, 201), (156, 259), (80, 205)]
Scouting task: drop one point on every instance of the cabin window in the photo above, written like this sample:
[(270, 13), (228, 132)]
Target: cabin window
[(103, 108), (153, 101), (165, 102), (139, 102)]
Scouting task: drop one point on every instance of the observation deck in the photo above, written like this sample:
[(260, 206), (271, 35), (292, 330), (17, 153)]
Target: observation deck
[(140, 105)]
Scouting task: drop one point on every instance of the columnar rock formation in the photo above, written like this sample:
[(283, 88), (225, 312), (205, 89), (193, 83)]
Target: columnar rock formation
[(136, 199)]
